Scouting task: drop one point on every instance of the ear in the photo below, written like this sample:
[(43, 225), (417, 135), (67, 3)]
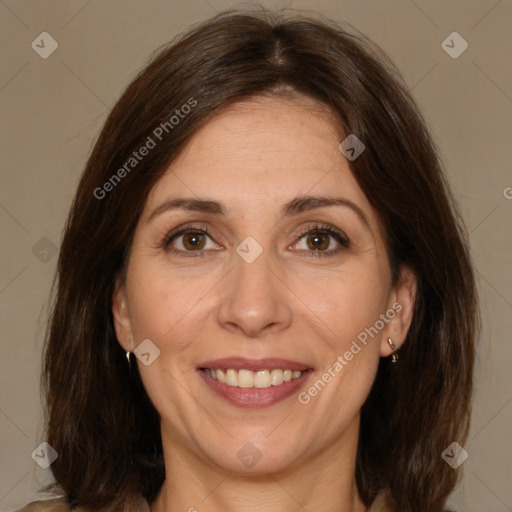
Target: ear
[(402, 300), (122, 322)]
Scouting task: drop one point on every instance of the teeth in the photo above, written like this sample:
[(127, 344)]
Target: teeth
[(231, 378), (277, 377), (249, 379), (245, 379), (262, 379)]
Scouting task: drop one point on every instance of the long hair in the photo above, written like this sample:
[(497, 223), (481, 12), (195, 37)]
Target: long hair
[(98, 416)]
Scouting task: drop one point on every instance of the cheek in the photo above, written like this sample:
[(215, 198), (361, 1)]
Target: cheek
[(349, 304), (346, 302), (161, 304)]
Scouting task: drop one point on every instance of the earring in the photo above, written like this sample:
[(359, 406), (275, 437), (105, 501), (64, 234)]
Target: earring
[(394, 357), (130, 365)]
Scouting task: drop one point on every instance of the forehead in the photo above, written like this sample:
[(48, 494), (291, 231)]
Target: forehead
[(275, 131), (261, 153)]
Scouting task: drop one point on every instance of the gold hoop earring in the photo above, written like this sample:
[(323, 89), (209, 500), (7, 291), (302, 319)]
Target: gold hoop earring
[(130, 365), (394, 357)]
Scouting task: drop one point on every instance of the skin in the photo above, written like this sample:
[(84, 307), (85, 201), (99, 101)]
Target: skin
[(254, 157)]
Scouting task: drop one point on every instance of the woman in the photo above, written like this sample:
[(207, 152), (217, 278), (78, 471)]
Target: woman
[(265, 299)]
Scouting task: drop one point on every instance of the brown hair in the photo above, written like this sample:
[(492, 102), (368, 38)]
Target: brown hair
[(99, 417)]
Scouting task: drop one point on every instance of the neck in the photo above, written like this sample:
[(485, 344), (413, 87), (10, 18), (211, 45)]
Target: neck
[(325, 481)]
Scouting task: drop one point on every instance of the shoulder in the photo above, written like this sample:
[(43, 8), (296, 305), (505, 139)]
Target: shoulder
[(53, 505), (383, 502), (61, 504)]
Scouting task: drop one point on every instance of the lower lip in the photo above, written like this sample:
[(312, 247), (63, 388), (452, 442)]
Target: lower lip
[(255, 397)]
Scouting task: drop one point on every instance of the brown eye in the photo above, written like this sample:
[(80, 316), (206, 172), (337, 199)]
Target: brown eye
[(318, 241), (193, 240), (189, 241), (321, 240)]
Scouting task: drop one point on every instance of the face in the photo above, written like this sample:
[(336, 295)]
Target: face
[(258, 282)]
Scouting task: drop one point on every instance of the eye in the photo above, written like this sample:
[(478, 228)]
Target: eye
[(318, 238), (192, 241), (188, 239)]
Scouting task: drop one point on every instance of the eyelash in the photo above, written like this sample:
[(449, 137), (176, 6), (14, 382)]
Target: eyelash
[(325, 229)]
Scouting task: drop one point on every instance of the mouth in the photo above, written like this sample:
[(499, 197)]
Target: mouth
[(254, 383), (248, 379)]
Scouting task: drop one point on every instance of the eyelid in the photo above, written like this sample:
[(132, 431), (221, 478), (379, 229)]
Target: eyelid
[(320, 227)]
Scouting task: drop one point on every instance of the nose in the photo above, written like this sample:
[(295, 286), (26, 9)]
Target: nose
[(255, 299)]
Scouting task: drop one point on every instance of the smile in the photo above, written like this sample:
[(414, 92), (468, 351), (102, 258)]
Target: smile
[(252, 379)]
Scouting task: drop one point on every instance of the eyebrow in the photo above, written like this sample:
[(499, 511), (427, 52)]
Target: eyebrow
[(296, 206)]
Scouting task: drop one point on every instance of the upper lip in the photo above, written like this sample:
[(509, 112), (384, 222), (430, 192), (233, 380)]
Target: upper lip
[(241, 363)]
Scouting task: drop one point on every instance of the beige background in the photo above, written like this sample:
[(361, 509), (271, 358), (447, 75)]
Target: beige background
[(52, 110)]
